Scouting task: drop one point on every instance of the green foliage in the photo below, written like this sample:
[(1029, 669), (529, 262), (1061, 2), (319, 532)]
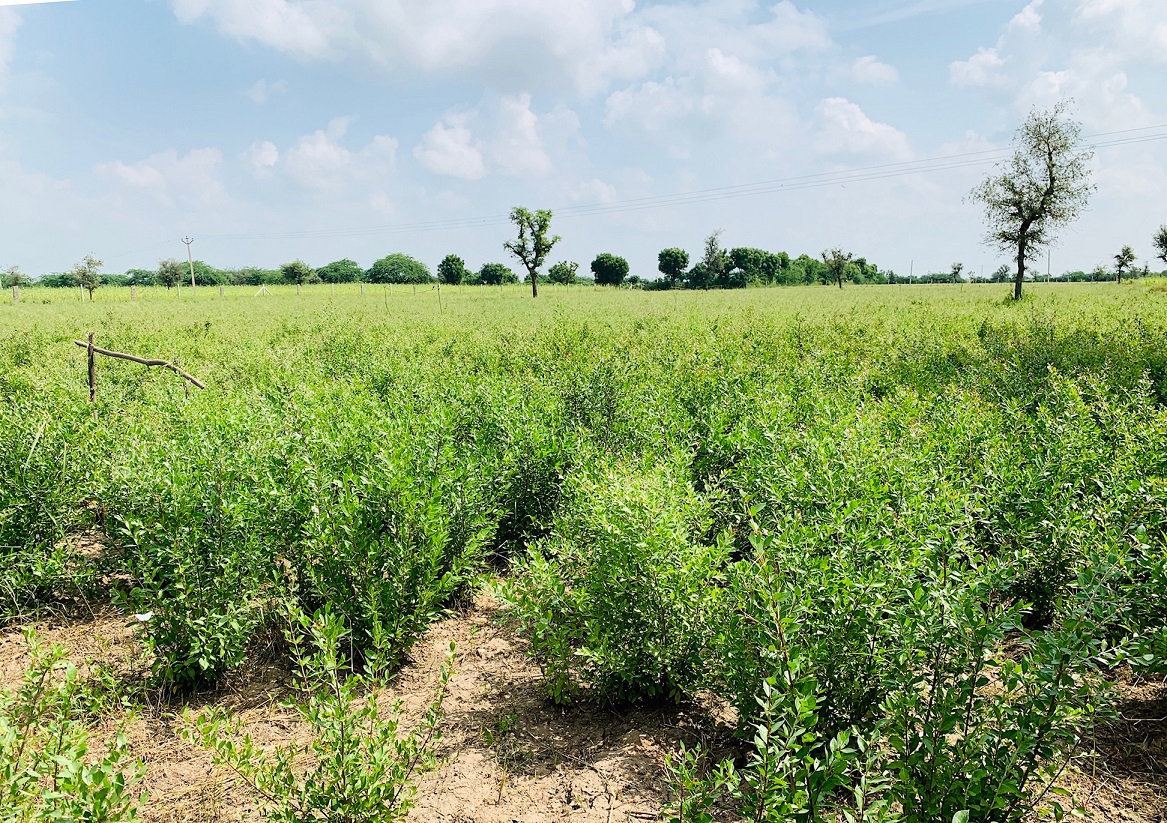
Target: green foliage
[(399, 269), (496, 274), (673, 263), (87, 274), (299, 272), (534, 241), (616, 600), (359, 765), (452, 270), (609, 270), (47, 772), (563, 272), (341, 271)]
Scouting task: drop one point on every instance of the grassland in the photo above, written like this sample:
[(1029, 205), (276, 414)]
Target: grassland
[(915, 535)]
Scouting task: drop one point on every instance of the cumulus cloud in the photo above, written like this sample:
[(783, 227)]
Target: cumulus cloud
[(871, 71), (1028, 19), (169, 178), (985, 68), (846, 130), (1138, 26), (449, 149), (320, 160), (503, 136), (263, 156), (507, 41)]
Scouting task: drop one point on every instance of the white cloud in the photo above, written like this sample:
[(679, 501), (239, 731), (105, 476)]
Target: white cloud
[(263, 156), (1137, 26), (1028, 19), (846, 130), (985, 68), (449, 149), (871, 71), (171, 179), (506, 42), (512, 140), (261, 91), (320, 160)]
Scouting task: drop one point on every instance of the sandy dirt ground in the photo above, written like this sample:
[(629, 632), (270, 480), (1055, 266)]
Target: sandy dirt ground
[(507, 753)]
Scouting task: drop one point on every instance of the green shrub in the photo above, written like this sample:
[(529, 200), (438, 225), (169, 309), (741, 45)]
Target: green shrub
[(617, 599), (359, 765), (47, 773)]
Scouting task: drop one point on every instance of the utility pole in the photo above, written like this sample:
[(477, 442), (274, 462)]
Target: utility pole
[(190, 260)]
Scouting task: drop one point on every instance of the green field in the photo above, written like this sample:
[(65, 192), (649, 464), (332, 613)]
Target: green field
[(910, 532)]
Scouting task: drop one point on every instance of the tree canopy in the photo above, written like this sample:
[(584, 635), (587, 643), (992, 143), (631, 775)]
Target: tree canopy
[(534, 242), (1041, 189), (565, 272), (298, 272), (341, 271), (609, 269), (1160, 243), (88, 273), (452, 270), (1123, 261), (672, 263), (399, 268), (496, 274)]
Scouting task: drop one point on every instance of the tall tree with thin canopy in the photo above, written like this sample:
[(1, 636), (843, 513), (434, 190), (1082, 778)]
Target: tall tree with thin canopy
[(1123, 261), (88, 273), (534, 242), (1041, 189), (1160, 243), (836, 261)]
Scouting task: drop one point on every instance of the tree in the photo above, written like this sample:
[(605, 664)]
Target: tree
[(170, 272), (533, 243), (1160, 243), (341, 271), (495, 274), (672, 263), (452, 270), (836, 261), (1123, 261), (399, 268), (713, 265), (1041, 189), (563, 273), (88, 273), (609, 269), (298, 272), (13, 276), (957, 268)]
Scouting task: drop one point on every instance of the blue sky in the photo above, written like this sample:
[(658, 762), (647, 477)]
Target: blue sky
[(318, 129)]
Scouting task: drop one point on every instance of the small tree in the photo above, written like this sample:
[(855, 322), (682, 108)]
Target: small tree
[(957, 268), (1123, 261), (298, 272), (88, 273), (672, 263), (534, 242), (452, 270), (1042, 188), (341, 271), (563, 273), (1160, 243), (836, 261), (13, 276), (495, 274), (399, 268), (609, 269), (170, 272)]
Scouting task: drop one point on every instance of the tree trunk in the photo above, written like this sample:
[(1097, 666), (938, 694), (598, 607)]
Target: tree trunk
[(1021, 244), (839, 279), (534, 284)]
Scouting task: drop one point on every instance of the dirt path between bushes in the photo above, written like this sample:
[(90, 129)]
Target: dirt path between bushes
[(508, 754)]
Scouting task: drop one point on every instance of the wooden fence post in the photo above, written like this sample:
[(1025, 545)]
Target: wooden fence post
[(362, 289), (220, 289), (15, 294), (92, 371), (133, 293)]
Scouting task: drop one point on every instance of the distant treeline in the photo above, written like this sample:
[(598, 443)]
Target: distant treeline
[(718, 269)]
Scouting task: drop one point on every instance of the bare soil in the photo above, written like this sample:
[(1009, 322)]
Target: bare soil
[(509, 754)]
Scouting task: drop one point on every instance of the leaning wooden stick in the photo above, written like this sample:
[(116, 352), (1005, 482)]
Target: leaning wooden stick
[(166, 364)]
